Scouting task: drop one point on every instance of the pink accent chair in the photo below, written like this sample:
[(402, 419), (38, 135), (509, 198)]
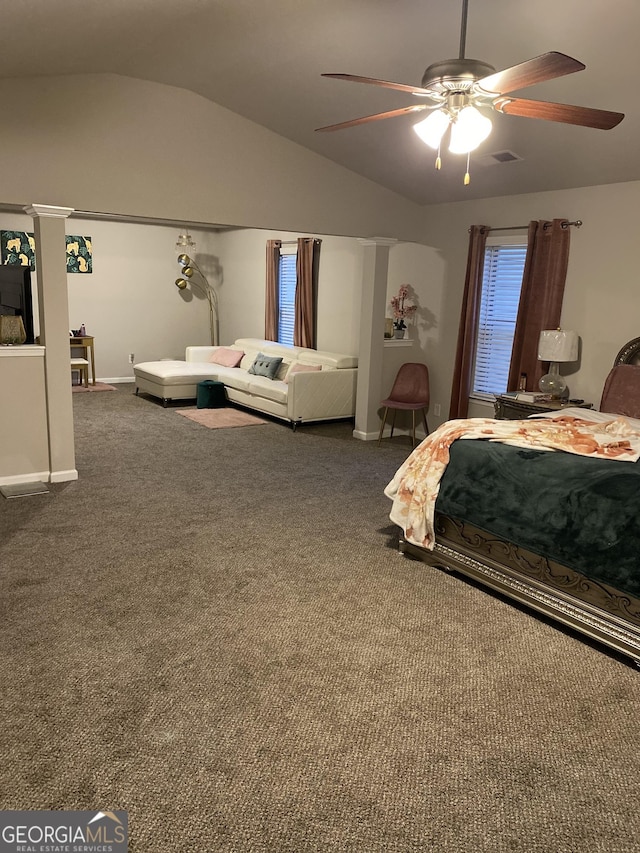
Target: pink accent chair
[(410, 392)]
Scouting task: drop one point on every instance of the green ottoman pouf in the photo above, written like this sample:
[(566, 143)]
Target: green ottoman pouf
[(210, 395)]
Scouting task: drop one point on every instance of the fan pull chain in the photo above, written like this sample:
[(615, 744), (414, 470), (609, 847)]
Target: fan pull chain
[(438, 160), (467, 176)]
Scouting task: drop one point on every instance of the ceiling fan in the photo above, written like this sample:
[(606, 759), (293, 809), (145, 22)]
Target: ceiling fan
[(456, 88)]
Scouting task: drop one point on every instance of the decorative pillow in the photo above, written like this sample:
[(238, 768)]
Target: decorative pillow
[(265, 365), (301, 368), (227, 357), (247, 359), (282, 370)]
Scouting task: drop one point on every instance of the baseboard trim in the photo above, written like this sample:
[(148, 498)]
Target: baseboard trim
[(63, 476), (373, 436), (365, 436), (32, 477), (116, 380)]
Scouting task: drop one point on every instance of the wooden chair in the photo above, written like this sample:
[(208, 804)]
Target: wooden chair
[(82, 366), (410, 392)]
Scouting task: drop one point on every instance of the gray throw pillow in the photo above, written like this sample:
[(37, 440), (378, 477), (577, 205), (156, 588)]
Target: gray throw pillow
[(265, 365)]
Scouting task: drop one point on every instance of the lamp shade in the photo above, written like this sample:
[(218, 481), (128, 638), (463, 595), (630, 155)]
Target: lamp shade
[(433, 128), (468, 131), (558, 345)]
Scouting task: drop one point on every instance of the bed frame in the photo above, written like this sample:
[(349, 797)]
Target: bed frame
[(594, 609)]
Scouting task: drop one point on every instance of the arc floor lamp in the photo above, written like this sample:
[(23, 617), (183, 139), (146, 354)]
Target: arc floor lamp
[(193, 275)]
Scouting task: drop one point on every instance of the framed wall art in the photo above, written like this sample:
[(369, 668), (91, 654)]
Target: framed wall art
[(79, 254), (19, 248)]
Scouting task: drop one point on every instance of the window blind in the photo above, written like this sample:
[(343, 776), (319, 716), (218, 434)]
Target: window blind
[(501, 285), (286, 297)]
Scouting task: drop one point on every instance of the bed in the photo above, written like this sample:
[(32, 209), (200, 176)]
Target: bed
[(556, 531)]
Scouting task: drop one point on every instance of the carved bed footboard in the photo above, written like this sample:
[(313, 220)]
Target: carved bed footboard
[(593, 608)]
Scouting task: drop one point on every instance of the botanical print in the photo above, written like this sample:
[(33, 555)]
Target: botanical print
[(18, 248), (79, 254)]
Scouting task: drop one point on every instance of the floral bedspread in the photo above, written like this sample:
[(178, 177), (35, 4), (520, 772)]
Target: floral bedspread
[(415, 485)]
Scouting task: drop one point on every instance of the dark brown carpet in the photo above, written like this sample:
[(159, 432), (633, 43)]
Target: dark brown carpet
[(212, 629)]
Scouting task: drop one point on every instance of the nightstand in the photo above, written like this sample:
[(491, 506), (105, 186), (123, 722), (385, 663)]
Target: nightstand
[(508, 408)]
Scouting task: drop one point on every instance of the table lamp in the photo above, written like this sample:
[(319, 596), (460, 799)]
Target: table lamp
[(555, 346)]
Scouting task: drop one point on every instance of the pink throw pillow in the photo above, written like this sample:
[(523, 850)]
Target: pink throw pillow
[(227, 357), (301, 368)]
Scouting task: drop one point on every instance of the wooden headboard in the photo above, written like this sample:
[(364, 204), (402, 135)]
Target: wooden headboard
[(629, 354), (621, 392)]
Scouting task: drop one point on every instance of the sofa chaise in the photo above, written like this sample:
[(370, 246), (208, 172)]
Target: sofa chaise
[(307, 385)]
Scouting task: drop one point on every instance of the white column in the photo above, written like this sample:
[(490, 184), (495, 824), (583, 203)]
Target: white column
[(375, 269), (53, 303)]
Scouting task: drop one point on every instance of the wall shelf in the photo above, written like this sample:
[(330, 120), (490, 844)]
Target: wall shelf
[(395, 342)]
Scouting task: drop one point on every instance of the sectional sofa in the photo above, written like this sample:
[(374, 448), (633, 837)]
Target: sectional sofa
[(306, 385)]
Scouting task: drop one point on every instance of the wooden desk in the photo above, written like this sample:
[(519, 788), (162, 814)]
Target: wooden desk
[(85, 343), (508, 408)]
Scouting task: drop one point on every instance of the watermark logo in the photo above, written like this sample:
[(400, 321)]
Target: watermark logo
[(63, 832)]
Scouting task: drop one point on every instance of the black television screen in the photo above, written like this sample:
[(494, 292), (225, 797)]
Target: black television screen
[(15, 295)]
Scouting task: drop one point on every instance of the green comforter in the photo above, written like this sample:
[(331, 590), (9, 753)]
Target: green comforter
[(581, 512)]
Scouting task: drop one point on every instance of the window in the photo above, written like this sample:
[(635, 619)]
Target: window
[(286, 295), (501, 284)]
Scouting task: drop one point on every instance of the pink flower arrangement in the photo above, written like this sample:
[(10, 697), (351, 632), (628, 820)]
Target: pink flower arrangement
[(402, 312)]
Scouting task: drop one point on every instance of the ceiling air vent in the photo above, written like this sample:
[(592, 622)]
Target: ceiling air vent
[(497, 158)]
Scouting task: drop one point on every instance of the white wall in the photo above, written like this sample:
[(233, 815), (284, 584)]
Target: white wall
[(129, 303), (101, 142), (242, 254), (24, 445), (128, 152), (601, 301), (242, 292), (421, 267)]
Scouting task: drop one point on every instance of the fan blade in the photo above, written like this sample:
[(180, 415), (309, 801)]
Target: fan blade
[(401, 87), (567, 113), (545, 67), (376, 117)]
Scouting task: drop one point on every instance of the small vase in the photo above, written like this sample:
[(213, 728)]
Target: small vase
[(399, 334)]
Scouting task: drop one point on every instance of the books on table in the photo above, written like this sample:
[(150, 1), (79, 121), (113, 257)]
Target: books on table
[(532, 397)]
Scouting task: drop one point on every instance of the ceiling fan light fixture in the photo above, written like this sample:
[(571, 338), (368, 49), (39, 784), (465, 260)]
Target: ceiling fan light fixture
[(469, 130), (433, 128)]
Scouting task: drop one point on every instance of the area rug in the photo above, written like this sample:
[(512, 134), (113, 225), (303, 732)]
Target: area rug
[(99, 386), (220, 418)]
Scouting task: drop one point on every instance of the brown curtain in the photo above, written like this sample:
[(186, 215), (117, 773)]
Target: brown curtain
[(540, 306), (468, 331), (271, 295), (307, 261)]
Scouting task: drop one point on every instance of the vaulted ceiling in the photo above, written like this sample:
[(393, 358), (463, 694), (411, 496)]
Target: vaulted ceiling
[(264, 60)]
